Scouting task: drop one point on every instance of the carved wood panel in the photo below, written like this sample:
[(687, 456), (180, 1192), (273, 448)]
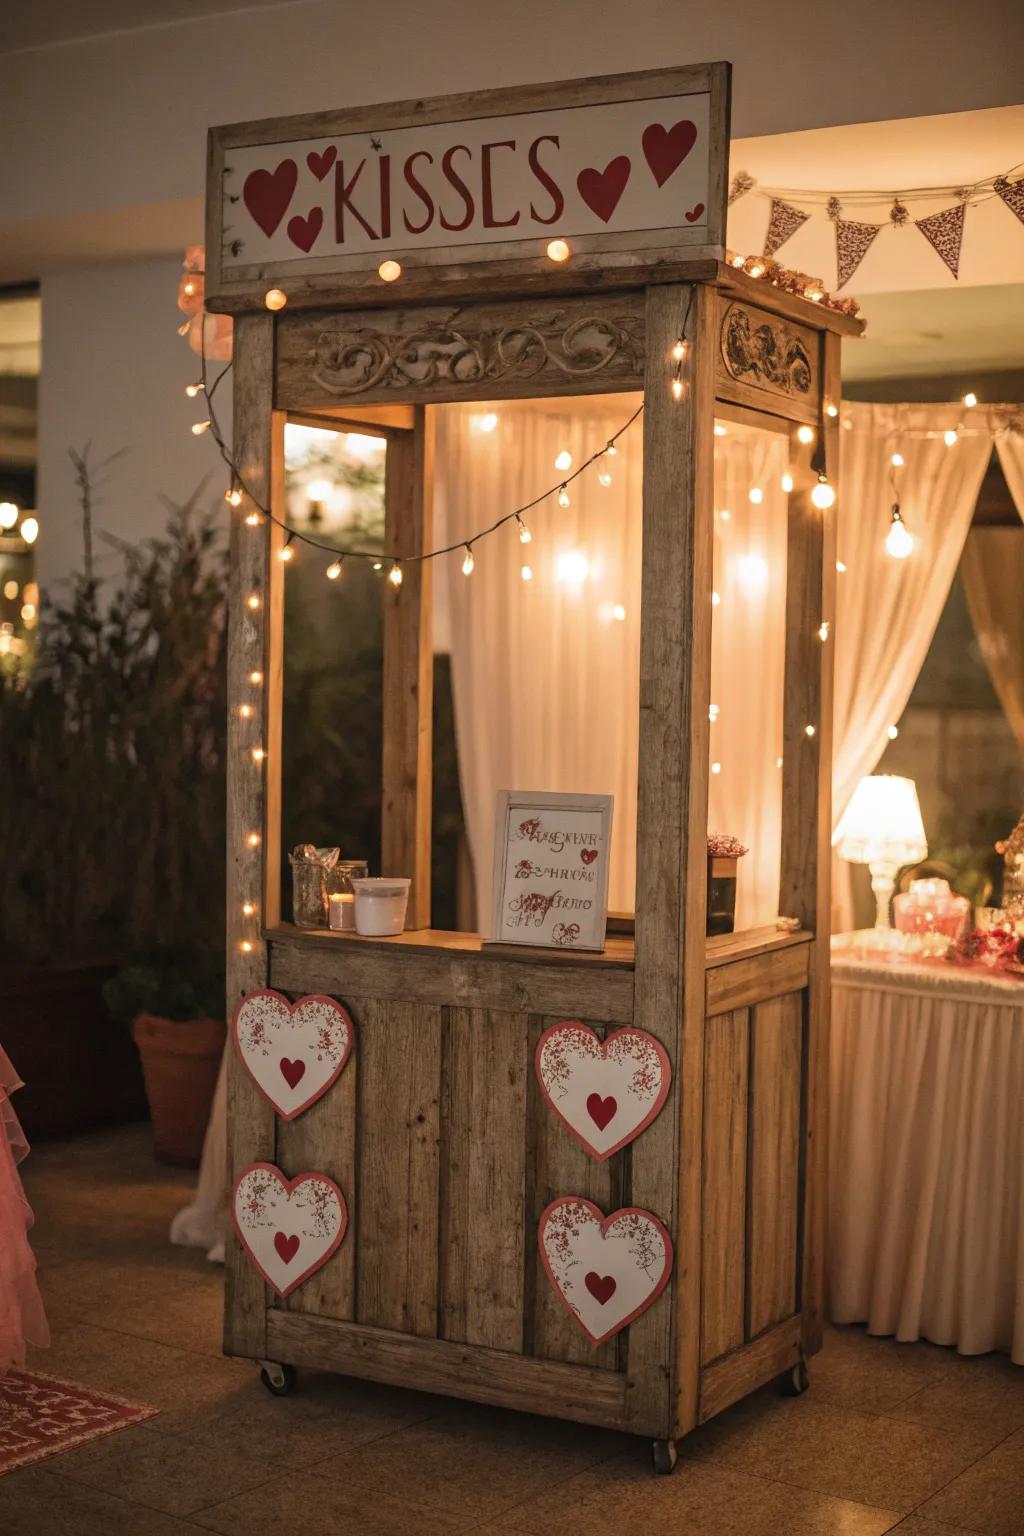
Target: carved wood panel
[(486, 351), (762, 355)]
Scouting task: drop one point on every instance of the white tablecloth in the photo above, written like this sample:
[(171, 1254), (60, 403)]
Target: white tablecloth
[(926, 1186)]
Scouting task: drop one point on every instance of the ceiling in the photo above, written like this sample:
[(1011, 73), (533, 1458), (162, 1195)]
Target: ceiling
[(64, 21), (925, 334)]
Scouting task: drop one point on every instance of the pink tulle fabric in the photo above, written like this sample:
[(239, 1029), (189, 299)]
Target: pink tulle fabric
[(22, 1319)]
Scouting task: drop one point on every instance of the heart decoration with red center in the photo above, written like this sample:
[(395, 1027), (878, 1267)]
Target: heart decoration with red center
[(588, 855), (267, 194), (303, 232), (321, 164), (293, 1051), (601, 190), (606, 1269), (665, 149), (605, 1091), (288, 1227)]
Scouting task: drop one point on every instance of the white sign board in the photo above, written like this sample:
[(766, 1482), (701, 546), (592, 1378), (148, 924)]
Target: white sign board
[(551, 857)]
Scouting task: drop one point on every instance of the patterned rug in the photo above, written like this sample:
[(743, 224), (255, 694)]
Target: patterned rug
[(41, 1416)]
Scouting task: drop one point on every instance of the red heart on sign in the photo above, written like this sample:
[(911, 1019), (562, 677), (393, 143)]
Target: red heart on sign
[(303, 232), (694, 214), (268, 193), (665, 149), (287, 1247), (601, 1287), (292, 1071), (321, 164), (601, 190), (588, 855), (601, 1110)]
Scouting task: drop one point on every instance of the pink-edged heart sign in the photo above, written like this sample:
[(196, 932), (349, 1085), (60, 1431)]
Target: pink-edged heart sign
[(288, 1227), (605, 1091), (606, 1269), (293, 1051)]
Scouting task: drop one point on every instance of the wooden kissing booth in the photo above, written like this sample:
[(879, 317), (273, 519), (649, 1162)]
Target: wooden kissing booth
[(554, 240)]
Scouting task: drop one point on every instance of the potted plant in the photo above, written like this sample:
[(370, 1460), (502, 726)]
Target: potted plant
[(724, 854), (168, 1001)]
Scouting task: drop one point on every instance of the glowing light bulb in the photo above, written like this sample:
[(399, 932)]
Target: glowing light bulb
[(725, 515), (604, 478), (8, 514), (245, 710), (563, 460), (258, 754), (488, 422), (199, 427), (737, 261), (897, 461), (275, 298), (619, 613), (395, 575), (715, 599), (563, 496), (840, 567), (525, 536), (192, 390), (716, 767), (755, 495), (611, 450), (679, 350), (253, 839), (823, 630), (333, 570), (188, 288), (720, 429), (712, 713), (899, 541), (805, 434), (526, 573), (892, 732), (832, 410), (970, 399), (245, 947), (28, 612), (389, 271), (677, 389), (949, 437), (468, 562), (11, 590), (233, 497), (256, 678), (558, 250), (29, 529), (252, 601), (253, 520), (757, 270), (809, 730), (248, 908), (814, 294), (778, 762), (823, 494), (286, 554), (787, 483)]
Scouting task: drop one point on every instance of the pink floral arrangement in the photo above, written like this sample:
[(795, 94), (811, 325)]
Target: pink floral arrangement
[(722, 845), (1000, 948)]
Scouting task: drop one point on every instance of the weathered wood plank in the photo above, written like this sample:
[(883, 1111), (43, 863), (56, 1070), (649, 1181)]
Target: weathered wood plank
[(767, 361), (773, 1187), (482, 1375), (749, 981), (749, 1367), (723, 1270), (398, 1133), (483, 1177), (725, 948)]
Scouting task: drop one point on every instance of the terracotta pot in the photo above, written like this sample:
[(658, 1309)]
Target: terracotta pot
[(721, 894), (180, 1062)]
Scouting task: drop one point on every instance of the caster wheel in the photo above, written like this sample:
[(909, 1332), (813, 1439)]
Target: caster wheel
[(794, 1382), (278, 1379), (665, 1455)]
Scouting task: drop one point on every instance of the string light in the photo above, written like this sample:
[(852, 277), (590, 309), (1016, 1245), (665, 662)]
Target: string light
[(604, 478), (563, 496), (892, 732), (823, 495), (199, 427), (275, 298), (619, 613), (395, 575), (558, 250), (720, 430), (950, 436), (809, 730), (253, 520), (897, 461), (757, 270), (389, 271), (563, 460), (8, 514), (787, 483), (840, 567), (286, 552), (193, 389), (252, 601), (334, 570), (679, 350), (233, 497), (712, 713), (525, 536), (245, 710), (611, 450), (677, 389), (253, 839), (899, 541), (488, 421), (248, 908), (245, 947), (716, 767), (256, 678), (188, 288), (823, 630), (29, 529), (755, 495), (832, 411), (526, 573), (468, 562), (970, 400), (814, 294), (805, 434), (715, 599), (258, 754)]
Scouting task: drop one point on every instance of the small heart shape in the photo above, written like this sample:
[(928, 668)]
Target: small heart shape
[(665, 149), (601, 190), (588, 855), (694, 214), (601, 1287), (601, 1111), (267, 194), (292, 1071), (321, 164), (303, 232), (286, 1247)]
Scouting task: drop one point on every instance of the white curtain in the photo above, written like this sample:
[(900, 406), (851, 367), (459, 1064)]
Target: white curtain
[(545, 673)]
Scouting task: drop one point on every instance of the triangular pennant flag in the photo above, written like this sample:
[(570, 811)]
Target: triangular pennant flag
[(1012, 194), (783, 222), (853, 239), (945, 232)]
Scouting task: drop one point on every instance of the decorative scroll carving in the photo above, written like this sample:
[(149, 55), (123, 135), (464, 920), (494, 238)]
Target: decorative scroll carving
[(351, 362), (766, 352)]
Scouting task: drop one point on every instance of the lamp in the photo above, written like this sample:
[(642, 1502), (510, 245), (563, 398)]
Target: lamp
[(882, 827)]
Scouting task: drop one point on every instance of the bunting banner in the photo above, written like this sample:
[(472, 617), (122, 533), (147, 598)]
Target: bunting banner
[(853, 241), (944, 232), (783, 222), (1012, 194)]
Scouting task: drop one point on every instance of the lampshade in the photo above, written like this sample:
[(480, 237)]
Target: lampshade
[(882, 823)]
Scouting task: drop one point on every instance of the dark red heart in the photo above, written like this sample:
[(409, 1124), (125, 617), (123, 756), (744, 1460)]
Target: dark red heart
[(601, 190), (268, 193), (292, 1071), (321, 164), (303, 232), (288, 1247), (694, 214), (665, 149), (588, 855), (601, 1110), (601, 1287)]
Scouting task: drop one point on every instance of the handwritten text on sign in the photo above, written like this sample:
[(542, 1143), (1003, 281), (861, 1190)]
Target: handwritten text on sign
[(551, 870), (619, 167)]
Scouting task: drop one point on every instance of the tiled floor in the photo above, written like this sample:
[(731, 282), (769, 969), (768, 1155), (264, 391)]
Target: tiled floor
[(890, 1437)]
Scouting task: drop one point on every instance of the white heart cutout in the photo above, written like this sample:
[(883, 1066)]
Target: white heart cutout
[(293, 1051), (605, 1091), (288, 1227), (606, 1269)]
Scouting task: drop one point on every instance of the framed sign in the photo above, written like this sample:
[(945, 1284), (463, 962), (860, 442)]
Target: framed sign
[(551, 857), (622, 171)]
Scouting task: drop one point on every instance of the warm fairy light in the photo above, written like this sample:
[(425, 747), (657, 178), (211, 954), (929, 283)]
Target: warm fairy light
[(28, 612), (604, 478), (611, 450), (809, 730), (525, 535), (199, 427), (256, 678), (757, 270), (949, 437), (468, 562), (679, 350), (488, 421), (841, 567), (395, 575), (619, 612), (814, 294), (245, 710), (253, 520), (378, 565), (252, 601), (720, 429), (787, 483), (832, 410), (572, 567), (11, 590), (188, 288), (737, 261), (823, 494), (970, 399), (778, 762), (8, 514), (725, 515), (715, 599), (29, 529), (248, 908), (286, 552), (389, 271), (563, 460), (897, 461), (677, 389), (245, 947), (563, 496), (334, 570), (233, 497), (275, 298), (558, 250), (258, 754), (899, 541), (253, 839), (805, 434), (712, 713), (823, 630), (526, 573), (755, 495), (193, 389), (892, 732), (716, 767)]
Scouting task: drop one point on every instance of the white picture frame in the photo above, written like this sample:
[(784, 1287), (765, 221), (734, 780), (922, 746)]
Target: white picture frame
[(551, 858)]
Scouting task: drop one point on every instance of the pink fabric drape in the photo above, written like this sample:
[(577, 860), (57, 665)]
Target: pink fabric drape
[(22, 1319)]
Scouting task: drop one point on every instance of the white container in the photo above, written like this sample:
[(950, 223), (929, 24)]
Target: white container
[(380, 905), (341, 912)]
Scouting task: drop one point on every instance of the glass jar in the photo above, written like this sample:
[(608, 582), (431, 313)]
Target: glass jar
[(310, 869)]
